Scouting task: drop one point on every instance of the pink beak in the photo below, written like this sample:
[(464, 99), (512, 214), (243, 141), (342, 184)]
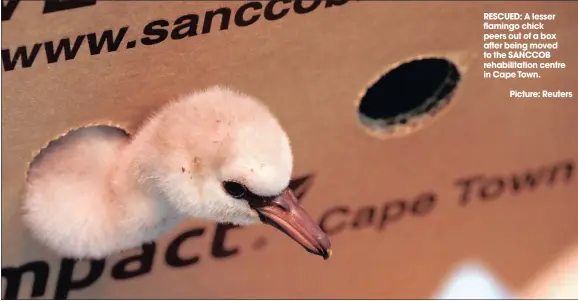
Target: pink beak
[(285, 214)]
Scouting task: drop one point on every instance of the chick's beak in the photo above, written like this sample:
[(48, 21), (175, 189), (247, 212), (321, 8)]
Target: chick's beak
[(285, 214)]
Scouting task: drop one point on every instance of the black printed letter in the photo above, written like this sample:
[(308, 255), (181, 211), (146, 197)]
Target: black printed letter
[(51, 6), (144, 261), (218, 249), (65, 282)]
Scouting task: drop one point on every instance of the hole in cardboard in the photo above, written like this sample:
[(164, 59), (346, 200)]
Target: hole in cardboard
[(77, 135), (406, 96)]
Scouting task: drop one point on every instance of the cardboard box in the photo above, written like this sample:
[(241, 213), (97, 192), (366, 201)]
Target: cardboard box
[(311, 67)]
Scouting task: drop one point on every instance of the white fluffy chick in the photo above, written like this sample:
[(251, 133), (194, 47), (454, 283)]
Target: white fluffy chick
[(216, 155)]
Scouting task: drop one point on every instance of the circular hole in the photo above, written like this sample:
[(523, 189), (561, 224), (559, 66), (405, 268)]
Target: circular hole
[(401, 98)]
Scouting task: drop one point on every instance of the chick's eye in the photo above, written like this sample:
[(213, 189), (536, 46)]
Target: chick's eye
[(234, 189)]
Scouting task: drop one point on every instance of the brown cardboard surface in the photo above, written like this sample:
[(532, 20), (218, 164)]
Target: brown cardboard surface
[(310, 69)]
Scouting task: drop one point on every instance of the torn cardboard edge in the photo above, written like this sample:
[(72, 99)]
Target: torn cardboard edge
[(37, 155), (558, 280)]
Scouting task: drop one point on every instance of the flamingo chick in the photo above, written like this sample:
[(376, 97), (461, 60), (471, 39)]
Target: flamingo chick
[(216, 155)]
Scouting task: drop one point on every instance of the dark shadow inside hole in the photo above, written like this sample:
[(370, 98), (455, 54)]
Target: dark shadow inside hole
[(413, 88)]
